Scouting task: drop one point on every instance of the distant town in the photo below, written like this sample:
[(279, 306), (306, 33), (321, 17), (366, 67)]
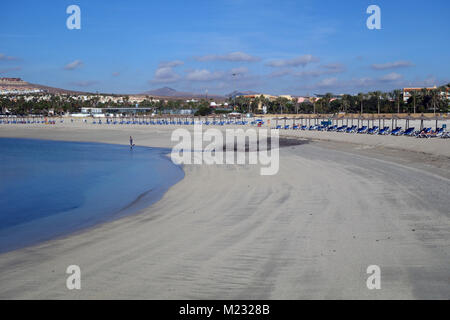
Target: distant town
[(18, 97)]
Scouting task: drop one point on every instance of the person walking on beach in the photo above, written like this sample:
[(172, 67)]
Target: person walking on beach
[(131, 143)]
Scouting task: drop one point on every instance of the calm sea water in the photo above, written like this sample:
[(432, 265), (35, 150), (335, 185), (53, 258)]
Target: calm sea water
[(52, 188)]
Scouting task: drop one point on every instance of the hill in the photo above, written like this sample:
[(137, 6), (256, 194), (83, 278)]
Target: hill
[(241, 93), (53, 90), (172, 93)]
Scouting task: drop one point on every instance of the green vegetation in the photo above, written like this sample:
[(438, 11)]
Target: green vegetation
[(371, 102), (203, 111), (60, 104)]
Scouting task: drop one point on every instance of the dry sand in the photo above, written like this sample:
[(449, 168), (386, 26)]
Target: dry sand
[(225, 232)]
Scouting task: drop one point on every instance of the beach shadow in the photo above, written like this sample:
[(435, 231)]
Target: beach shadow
[(282, 143)]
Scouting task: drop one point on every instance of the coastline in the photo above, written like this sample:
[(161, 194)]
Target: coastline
[(101, 199), (224, 232)]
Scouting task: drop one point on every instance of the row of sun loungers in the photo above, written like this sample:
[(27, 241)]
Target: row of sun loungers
[(166, 122), (424, 133), (29, 122), (140, 122)]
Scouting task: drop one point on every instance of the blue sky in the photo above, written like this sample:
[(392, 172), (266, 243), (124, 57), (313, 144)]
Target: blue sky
[(278, 47)]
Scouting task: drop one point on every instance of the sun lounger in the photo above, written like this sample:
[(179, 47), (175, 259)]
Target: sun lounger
[(332, 128), (384, 131), (428, 133), (373, 130), (424, 133), (408, 132), (352, 129), (363, 129), (396, 131)]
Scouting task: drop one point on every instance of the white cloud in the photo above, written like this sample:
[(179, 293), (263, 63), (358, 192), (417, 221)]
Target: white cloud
[(204, 75), (327, 69), (232, 57), (74, 65), (170, 64), (327, 83), (334, 67), (294, 62), (362, 82), (4, 57), (165, 75), (391, 77), (392, 65), (239, 71), (280, 73)]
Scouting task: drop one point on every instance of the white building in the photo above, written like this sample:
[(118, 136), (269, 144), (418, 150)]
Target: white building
[(85, 110)]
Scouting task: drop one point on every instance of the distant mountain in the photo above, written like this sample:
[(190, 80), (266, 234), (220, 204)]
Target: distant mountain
[(53, 90), (19, 84), (172, 93), (240, 93), (166, 92)]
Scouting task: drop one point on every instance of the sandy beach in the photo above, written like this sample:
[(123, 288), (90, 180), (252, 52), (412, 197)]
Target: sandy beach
[(339, 204)]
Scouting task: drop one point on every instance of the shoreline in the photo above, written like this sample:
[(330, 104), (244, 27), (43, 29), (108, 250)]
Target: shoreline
[(70, 224), (224, 232), (139, 202), (434, 146)]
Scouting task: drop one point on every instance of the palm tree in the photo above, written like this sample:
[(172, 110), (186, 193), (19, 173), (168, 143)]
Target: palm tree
[(345, 101), (377, 94), (414, 96), (397, 93), (442, 90), (383, 96), (296, 104), (435, 94), (424, 94), (328, 96), (361, 97)]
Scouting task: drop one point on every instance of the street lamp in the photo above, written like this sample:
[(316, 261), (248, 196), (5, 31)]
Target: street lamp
[(234, 104)]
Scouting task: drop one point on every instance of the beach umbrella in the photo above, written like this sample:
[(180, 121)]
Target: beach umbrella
[(335, 118), (437, 118), (422, 118), (408, 118), (394, 119)]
